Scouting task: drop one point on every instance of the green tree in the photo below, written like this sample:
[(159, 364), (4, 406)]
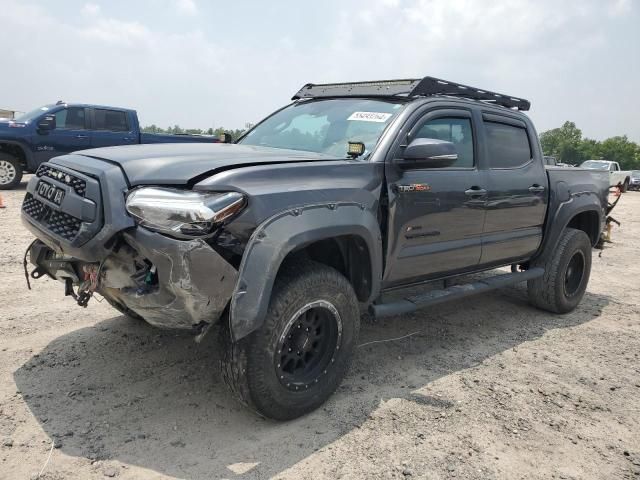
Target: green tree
[(589, 149), (568, 146), (621, 150), (177, 129), (152, 129), (563, 143)]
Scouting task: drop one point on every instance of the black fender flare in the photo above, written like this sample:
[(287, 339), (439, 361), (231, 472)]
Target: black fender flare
[(576, 204), (28, 154), (284, 232)]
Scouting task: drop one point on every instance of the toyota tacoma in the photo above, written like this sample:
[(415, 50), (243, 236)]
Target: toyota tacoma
[(286, 236)]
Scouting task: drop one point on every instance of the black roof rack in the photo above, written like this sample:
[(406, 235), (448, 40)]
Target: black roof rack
[(417, 87)]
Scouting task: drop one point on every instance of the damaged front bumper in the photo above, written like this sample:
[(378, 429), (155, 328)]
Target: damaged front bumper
[(172, 284)]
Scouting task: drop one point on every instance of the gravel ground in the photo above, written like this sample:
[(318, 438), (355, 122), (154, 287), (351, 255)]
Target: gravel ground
[(489, 388)]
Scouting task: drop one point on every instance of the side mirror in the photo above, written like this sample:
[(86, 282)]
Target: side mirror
[(427, 153), (47, 123), (225, 138)]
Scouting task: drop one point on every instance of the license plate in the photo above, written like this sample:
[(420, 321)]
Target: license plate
[(50, 192)]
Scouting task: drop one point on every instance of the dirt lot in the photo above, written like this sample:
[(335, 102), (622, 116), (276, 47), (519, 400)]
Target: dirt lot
[(488, 388)]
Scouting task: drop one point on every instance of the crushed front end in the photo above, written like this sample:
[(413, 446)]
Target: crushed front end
[(96, 237)]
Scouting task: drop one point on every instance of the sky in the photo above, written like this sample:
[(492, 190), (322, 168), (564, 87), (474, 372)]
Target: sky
[(202, 64)]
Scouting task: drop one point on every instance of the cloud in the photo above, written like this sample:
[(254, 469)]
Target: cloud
[(118, 33), (187, 7), (566, 57), (560, 55), (90, 9), (620, 7)]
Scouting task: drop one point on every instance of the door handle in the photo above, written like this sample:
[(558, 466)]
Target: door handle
[(81, 136), (128, 139), (536, 188), (475, 192)]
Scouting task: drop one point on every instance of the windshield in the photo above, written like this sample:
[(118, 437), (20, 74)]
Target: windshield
[(595, 165), (325, 126), (635, 174), (27, 117)]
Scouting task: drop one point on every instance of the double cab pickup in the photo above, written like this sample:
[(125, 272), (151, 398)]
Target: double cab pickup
[(283, 238)]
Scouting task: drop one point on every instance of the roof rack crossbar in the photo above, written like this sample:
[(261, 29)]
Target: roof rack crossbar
[(427, 86)]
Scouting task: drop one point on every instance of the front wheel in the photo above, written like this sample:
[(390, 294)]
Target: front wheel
[(10, 172), (297, 359), (566, 274)]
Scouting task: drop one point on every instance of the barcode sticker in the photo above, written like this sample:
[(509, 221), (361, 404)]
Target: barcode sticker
[(370, 117)]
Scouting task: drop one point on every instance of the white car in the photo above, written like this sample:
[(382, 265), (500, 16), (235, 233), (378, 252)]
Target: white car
[(617, 177)]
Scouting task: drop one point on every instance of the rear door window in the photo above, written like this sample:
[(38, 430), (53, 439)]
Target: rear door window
[(507, 145), (111, 120)]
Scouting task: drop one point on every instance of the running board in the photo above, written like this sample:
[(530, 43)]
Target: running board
[(413, 303)]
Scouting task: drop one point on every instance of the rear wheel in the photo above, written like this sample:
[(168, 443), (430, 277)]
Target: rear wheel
[(624, 187), (10, 171), (566, 274), (296, 360)]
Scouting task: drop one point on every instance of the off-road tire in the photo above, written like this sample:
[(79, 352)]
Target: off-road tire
[(248, 366), (549, 292), (17, 166)]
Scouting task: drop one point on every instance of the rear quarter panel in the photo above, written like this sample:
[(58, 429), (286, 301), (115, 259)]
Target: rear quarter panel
[(572, 191)]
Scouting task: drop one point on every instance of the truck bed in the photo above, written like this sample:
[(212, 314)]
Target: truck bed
[(577, 180), (570, 188)]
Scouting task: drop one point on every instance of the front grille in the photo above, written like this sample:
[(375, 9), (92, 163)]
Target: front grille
[(57, 222), (79, 185), (33, 207)]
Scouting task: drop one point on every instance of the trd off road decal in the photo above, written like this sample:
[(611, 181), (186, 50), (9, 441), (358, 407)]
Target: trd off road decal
[(414, 187)]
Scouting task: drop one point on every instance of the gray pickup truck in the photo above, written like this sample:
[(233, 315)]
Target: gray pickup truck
[(287, 235)]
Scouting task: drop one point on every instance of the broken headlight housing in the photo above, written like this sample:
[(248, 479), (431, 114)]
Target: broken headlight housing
[(182, 213)]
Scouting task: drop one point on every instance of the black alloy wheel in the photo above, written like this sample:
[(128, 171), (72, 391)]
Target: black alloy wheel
[(308, 346)]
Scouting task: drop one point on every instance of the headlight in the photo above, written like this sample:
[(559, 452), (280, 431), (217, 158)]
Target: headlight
[(181, 213)]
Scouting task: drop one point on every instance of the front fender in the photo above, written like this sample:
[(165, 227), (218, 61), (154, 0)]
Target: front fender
[(26, 150), (281, 234)]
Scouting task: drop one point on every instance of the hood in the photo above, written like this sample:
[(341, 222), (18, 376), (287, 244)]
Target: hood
[(7, 123), (179, 163)]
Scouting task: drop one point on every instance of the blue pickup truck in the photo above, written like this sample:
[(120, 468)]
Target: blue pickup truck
[(54, 130)]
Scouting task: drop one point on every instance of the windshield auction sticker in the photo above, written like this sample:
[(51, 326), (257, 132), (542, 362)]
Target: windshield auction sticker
[(370, 117)]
